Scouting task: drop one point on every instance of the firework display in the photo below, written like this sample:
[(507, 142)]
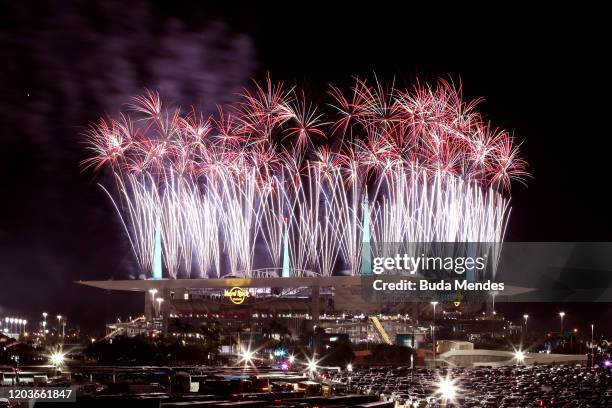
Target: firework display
[(275, 174)]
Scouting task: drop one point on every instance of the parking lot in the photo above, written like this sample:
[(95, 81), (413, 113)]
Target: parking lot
[(535, 386)]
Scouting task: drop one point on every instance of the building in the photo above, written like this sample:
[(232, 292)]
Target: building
[(299, 303), (497, 358), (442, 346)]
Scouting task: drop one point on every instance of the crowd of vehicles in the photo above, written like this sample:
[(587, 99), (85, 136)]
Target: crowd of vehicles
[(505, 387)]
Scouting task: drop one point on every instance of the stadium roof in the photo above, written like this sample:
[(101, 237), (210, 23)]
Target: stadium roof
[(143, 285)]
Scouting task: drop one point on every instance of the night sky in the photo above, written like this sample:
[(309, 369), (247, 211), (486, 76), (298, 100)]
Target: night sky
[(64, 64)]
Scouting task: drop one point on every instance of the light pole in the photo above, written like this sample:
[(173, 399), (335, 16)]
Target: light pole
[(44, 325), (433, 332), (153, 292), (312, 367), (349, 369), (592, 345), (561, 316), (159, 302), (59, 325), (525, 316)]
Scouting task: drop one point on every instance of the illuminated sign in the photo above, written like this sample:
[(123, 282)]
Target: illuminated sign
[(236, 295)]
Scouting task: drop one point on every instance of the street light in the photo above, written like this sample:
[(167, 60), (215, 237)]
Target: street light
[(447, 390), (561, 316), (349, 369), (592, 345), (59, 325), (525, 316), (159, 302), (57, 358), (572, 335), (247, 357), (312, 366), (44, 324), (153, 292), (493, 294), (433, 332)]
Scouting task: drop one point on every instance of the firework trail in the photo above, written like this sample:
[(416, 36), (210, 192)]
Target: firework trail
[(419, 165)]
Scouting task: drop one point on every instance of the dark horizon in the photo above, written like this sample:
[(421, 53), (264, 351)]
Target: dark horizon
[(68, 64)]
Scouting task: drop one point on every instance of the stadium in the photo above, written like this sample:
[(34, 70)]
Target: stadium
[(274, 207)]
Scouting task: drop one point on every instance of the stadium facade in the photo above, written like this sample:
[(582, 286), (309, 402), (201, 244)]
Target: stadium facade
[(300, 303), (249, 305)]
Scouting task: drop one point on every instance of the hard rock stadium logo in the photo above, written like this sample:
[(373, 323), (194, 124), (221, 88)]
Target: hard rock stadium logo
[(236, 295)]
